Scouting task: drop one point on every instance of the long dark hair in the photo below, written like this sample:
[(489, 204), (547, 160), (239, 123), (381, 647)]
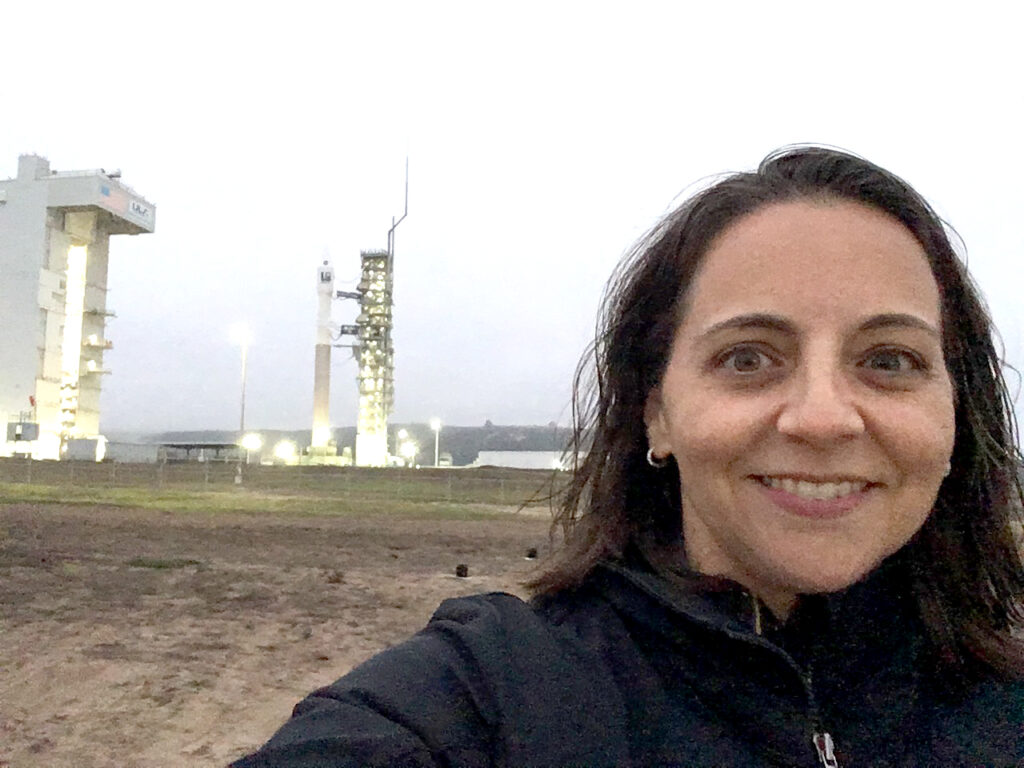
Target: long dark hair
[(965, 563)]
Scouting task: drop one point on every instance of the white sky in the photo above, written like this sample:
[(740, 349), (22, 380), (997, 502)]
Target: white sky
[(543, 137)]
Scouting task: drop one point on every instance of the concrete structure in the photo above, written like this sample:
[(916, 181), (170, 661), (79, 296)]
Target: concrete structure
[(55, 232), (135, 453)]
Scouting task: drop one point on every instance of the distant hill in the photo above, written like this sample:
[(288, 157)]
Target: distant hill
[(463, 443)]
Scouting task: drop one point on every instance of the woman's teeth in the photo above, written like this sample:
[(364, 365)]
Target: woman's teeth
[(808, 490)]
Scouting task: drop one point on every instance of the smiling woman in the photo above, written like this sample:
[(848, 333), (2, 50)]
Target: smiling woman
[(790, 527), (809, 411)]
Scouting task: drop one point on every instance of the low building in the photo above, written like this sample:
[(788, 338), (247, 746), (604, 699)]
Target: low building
[(520, 459)]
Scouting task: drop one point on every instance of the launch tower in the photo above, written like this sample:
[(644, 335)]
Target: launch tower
[(375, 356), (55, 233), (372, 350)]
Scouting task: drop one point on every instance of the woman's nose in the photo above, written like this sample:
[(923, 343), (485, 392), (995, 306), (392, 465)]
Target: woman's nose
[(820, 406)]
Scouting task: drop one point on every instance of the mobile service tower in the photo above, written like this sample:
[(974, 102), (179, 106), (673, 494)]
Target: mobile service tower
[(55, 230)]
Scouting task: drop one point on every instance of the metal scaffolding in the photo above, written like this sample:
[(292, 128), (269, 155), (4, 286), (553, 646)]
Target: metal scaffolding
[(373, 348), (375, 354)]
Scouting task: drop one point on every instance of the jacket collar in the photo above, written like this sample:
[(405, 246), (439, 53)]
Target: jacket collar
[(864, 623)]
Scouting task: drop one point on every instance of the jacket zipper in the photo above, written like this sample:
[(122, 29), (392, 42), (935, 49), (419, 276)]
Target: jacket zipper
[(826, 750), (821, 739)]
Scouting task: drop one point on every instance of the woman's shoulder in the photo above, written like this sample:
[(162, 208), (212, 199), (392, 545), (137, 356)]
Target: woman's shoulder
[(565, 626), (503, 611), (486, 669), (999, 707)]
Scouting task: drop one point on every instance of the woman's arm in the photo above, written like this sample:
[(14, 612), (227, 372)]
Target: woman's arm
[(425, 702)]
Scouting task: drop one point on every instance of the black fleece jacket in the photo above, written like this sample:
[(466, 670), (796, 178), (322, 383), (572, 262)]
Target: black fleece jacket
[(634, 670)]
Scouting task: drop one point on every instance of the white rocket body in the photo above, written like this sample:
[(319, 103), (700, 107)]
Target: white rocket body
[(322, 365)]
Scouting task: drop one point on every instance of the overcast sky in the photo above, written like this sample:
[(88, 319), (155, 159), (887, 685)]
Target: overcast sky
[(543, 138)]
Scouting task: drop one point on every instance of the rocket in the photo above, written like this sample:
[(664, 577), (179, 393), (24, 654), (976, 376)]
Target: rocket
[(322, 364)]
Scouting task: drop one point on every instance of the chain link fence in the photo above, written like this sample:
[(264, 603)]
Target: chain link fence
[(477, 485)]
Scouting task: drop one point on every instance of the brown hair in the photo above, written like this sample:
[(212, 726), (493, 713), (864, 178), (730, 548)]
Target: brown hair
[(966, 562)]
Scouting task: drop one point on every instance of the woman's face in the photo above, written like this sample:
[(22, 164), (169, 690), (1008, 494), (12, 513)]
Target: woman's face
[(806, 399)]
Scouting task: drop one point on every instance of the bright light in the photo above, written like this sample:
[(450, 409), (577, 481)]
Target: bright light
[(252, 442), (322, 436), (286, 451), (403, 434), (240, 334), (435, 424), (408, 449)]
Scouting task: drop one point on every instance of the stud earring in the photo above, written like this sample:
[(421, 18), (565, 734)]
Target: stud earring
[(654, 461)]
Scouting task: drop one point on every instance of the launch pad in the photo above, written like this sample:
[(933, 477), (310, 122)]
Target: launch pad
[(372, 349)]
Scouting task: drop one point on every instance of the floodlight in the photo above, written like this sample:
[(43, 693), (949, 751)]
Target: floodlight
[(285, 450)]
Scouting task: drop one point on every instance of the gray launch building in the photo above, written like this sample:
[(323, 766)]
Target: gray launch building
[(55, 230)]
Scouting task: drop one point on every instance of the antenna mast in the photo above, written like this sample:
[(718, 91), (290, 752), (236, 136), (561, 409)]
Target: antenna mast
[(394, 224)]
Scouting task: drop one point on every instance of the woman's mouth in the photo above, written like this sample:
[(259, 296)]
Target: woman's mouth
[(815, 499), (807, 489)]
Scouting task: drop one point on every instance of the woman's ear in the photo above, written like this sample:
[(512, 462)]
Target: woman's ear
[(657, 425)]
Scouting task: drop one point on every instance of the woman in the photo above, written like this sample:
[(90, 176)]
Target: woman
[(790, 529)]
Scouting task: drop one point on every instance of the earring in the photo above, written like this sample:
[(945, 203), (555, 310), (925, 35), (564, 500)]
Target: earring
[(949, 468), (654, 461)]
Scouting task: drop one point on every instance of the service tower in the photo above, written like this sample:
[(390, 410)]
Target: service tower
[(55, 232), (372, 349), (376, 358)]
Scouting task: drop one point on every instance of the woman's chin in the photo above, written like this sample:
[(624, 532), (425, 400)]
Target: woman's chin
[(813, 581)]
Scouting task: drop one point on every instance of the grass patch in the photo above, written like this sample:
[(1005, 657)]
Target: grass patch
[(246, 501), (161, 563), (71, 570)]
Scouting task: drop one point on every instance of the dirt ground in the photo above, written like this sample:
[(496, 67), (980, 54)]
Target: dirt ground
[(144, 638)]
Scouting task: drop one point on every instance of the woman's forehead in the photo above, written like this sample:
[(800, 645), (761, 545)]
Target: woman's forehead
[(813, 260)]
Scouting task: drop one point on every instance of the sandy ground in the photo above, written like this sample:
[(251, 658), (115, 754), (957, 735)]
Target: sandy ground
[(139, 638)]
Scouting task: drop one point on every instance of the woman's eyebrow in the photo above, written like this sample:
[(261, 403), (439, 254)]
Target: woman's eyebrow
[(771, 322), (752, 320), (900, 320)]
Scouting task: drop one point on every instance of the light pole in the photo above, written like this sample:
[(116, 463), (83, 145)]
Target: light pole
[(240, 335), (435, 424)]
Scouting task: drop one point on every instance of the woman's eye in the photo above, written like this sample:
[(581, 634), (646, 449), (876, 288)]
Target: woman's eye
[(893, 361), (745, 360)]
